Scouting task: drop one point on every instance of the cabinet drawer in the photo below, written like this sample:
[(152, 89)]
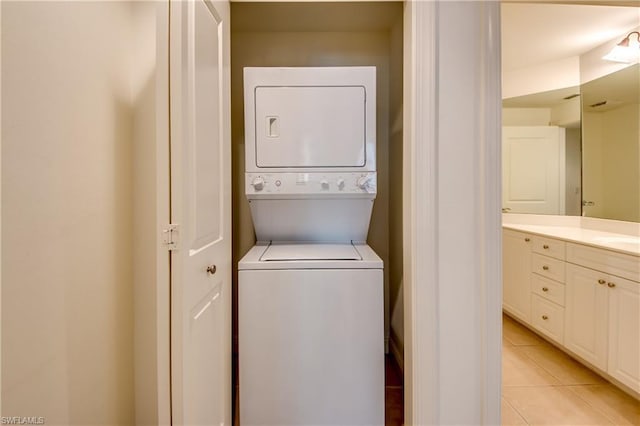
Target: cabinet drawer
[(619, 264), (548, 318), (548, 267), (548, 289), (549, 247)]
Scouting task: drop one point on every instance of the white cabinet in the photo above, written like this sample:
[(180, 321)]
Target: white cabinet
[(586, 314), (585, 298), (603, 322), (547, 287), (516, 274), (624, 331)]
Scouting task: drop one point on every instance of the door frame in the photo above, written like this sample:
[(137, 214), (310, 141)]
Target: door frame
[(430, 261), (436, 300)]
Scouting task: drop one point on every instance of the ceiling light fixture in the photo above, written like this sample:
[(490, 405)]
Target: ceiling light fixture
[(627, 51)]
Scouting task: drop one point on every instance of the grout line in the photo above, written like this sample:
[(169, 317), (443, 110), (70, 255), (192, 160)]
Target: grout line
[(612, 420), (524, 419)]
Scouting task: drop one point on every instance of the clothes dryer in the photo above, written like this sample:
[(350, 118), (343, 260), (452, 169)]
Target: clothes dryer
[(310, 292)]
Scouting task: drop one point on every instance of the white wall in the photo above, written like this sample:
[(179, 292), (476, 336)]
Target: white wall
[(67, 325), (526, 116), (541, 78)]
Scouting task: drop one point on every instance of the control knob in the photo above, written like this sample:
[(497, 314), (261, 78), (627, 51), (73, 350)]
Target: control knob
[(363, 182), (324, 184), (340, 183), (258, 183)]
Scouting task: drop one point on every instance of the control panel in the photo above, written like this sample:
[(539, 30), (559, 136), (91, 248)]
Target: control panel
[(293, 184)]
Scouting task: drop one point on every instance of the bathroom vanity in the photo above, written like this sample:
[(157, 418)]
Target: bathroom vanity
[(576, 281)]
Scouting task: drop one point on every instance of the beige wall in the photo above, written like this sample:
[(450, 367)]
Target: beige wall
[(611, 157), (314, 48), (592, 165), (621, 137), (150, 157), (395, 189), (573, 172), (67, 313)]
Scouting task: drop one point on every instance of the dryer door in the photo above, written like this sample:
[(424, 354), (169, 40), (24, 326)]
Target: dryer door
[(310, 126)]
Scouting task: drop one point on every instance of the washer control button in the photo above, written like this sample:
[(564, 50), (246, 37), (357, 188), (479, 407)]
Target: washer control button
[(258, 184)]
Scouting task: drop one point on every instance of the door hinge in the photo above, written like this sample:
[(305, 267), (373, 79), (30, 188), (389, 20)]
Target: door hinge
[(170, 236)]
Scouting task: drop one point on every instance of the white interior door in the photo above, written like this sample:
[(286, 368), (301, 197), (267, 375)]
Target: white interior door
[(533, 170), (201, 208)]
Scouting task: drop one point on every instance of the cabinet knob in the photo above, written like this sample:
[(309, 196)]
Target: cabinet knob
[(545, 246), (611, 285), (527, 239), (545, 289), (601, 281), (544, 317), (211, 269), (545, 267)]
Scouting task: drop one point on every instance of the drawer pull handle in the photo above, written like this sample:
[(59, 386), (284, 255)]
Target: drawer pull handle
[(545, 289), (545, 246), (545, 267), (544, 317), (611, 285), (527, 239), (211, 269), (601, 281)]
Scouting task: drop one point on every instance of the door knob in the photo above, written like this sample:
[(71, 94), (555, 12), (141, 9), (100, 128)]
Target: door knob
[(545, 289), (601, 281), (545, 247), (544, 317), (611, 285), (211, 269), (545, 267)]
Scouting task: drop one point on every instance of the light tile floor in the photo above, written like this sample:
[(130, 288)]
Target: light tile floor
[(542, 385)]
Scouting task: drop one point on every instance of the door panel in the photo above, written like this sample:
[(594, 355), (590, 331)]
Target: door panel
[(586, 314), (200, 206), (290, 134), (533, 170)]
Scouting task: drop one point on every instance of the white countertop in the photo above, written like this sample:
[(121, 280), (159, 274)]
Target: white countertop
[(581, 231)]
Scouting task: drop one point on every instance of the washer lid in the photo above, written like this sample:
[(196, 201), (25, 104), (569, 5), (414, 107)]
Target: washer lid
[(277, 252)]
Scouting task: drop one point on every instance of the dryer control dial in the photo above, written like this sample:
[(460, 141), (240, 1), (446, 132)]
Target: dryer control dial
[(258, 183), (340, 183), (363, 182)]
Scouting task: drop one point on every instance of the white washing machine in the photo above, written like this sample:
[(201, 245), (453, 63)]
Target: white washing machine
[(310, 292)]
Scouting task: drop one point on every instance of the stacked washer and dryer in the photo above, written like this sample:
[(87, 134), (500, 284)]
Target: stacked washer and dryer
[(310, 292)]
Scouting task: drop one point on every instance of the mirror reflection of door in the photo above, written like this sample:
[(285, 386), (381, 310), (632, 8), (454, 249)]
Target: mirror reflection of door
[(533, 169)]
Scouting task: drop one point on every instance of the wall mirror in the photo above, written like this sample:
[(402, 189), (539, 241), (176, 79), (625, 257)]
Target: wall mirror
[(569, 148), (611, 145)]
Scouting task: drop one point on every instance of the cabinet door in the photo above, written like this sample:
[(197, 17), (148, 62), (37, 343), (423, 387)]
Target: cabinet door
[(516, 274), (586, 314), (624, 331)]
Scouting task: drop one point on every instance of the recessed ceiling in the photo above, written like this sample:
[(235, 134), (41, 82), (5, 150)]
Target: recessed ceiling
[(534, 34)]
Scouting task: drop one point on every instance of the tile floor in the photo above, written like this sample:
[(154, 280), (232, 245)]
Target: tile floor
[(542, 385)]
